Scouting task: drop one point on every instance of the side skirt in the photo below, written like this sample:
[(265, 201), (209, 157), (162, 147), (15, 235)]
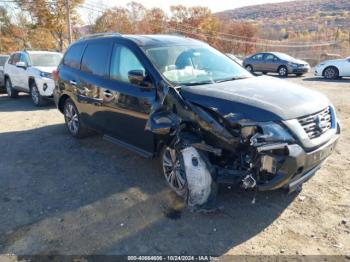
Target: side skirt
[(133, 148)]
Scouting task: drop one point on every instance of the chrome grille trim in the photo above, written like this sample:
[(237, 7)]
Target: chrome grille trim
[(316, 124)]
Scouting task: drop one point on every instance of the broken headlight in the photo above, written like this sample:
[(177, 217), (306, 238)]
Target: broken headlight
[(273, 132)]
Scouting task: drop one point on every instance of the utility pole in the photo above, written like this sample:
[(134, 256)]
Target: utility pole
[(69, 22)]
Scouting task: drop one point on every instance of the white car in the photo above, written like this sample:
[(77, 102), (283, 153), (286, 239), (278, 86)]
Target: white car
[(333, 69), (31, 72)]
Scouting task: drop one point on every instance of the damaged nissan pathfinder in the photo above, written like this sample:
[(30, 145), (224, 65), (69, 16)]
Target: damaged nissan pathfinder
[(207, 119)]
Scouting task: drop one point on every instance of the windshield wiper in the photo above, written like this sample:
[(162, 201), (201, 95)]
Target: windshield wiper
[(198, 83), (230, 79)]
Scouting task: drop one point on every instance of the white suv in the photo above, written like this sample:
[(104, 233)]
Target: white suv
[(31, 72)]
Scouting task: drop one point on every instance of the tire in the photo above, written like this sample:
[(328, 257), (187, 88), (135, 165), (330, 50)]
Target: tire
[(299, 75), (249, 68), (73, 121), (264, 73), (282, 71), (38, 100), (331, 72), (9, 89), (173, 169)]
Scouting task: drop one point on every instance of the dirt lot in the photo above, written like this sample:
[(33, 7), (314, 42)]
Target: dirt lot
[(65, 196)]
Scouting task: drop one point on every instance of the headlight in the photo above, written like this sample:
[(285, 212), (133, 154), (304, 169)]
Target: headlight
[(294, 65), (322, 64), (45, 74), (273, 132)]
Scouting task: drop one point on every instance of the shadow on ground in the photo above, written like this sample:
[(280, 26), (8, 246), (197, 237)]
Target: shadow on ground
[(67, 196), (322, 79), (23, 103)]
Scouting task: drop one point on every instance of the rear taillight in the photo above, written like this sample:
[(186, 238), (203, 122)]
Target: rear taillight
[(55, 74)]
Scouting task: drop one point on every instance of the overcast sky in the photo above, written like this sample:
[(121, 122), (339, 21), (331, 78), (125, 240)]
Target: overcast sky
[(214, 5)]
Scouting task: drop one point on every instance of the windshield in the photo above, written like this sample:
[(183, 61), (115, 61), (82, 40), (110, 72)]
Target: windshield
[(45, 60), (194, 64)]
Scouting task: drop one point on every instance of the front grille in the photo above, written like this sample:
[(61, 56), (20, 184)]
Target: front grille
[(317, 124)]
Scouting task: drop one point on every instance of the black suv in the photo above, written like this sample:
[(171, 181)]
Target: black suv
[(208, 118)]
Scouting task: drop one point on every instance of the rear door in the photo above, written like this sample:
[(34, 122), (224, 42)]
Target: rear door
[(94, 75), (127, 105)]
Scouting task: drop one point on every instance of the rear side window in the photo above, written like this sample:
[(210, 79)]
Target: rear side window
[(2, 60), (73, 56), (96, 59)]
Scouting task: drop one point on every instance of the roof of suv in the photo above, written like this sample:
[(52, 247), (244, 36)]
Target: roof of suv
[(148, 40)]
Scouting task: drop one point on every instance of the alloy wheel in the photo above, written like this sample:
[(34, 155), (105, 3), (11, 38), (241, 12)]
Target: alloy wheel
[(173, 171), (35, 94), (282, 71), (8, 88), (330, 73), (72, 118)]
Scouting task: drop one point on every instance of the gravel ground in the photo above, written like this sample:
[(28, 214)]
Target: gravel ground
[(60, 195)]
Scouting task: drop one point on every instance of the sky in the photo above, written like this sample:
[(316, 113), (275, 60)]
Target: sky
[(214, 5)]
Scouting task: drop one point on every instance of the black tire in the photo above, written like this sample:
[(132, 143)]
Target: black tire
[(249, 68), (299, 75), (282, 71), (9, 89), (73, 121), (172, 166), (264, 73), (37, 99), (331, 72)]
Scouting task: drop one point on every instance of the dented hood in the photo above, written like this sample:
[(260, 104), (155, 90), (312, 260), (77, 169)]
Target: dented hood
[(257, 98)]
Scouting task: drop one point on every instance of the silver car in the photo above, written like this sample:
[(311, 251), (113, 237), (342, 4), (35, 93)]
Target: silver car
[(275, 62)]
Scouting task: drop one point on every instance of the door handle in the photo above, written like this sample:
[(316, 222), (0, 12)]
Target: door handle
[(107, 93), (73, 83)]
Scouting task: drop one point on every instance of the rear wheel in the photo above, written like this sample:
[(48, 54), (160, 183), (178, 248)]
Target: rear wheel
[(38, 100), (331, 72), (174, 170), (299, 75), (73, 122), (283, 71), (9, 89)]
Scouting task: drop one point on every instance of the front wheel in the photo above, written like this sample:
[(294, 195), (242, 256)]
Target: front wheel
[(283, 71), (9, 89), (331, 73), (38, 100), (73, 122), (174, 170)]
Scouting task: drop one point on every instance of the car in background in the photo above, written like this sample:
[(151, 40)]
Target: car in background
[(31, 72), (3, 59), (333, 69), (235, 58), (275, 62)]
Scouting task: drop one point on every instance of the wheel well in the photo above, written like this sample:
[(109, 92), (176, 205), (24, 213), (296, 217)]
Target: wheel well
[(248, 65), (330, 67), (30, 82), (61, 102)]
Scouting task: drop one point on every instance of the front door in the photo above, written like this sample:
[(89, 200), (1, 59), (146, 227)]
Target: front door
[(127, 105)]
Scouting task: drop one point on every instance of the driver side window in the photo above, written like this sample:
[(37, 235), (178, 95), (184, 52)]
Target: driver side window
[(124, 61)]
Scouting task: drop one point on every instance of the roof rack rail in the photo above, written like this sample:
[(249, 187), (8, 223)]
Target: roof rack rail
[(91, 36)]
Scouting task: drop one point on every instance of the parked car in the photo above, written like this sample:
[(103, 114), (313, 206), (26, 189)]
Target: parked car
[(275, 62), (31, 72), (333, 69), (235, 58), (208, 119), (3, 59)]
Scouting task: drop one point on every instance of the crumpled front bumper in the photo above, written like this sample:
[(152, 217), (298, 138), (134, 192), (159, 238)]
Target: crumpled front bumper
[(300, 165)]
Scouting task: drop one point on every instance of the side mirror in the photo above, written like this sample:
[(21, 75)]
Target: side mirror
[(21, 65), (139, 78)]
